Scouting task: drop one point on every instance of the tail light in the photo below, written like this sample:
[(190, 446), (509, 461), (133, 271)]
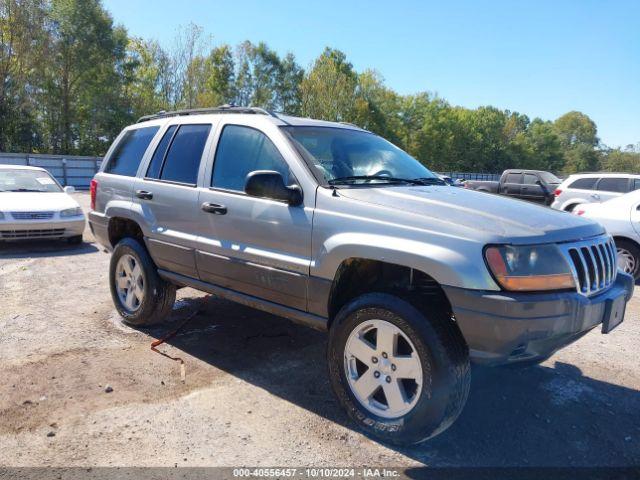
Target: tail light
[(93, 190), (557, 192), (580, 212)]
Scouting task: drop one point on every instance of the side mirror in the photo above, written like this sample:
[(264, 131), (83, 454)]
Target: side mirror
[(69, 189), (270, 184)]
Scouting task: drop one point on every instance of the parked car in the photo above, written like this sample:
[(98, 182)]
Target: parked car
[(593, 188), (34, 205), (621, 217), (336, 228), (532, 185)]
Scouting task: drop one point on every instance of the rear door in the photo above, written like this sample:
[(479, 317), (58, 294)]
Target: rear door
[(512, 184), (256, 246), (167, 196), (532, 190)]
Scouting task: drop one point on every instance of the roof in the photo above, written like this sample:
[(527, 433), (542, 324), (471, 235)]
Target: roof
[(20, 167), (604, 174), (277, 118)]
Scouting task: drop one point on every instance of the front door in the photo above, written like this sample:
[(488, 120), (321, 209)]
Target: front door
[(167, 197), (532, 189), (256, 246)]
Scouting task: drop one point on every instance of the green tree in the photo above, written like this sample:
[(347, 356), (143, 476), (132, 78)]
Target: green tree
[(328, 90), (23, 51), (86, 54)]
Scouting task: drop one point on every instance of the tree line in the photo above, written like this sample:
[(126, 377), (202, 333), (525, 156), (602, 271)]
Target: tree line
[(70, 80)]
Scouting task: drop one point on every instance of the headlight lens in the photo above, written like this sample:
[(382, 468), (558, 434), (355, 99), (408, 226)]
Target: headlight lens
[(71, 212), (529, 268)]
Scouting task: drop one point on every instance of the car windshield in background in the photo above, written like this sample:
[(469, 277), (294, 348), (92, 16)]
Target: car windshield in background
[(344, 156), (27, 181), (550, 178)]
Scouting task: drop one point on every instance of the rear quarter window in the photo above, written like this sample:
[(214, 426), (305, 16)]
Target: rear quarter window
[(129, 151)]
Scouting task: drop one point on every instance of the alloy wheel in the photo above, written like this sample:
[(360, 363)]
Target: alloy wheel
[(129, 282), (383, 369)]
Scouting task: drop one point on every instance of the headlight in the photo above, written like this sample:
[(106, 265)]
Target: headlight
[(529, 268), (71, 212)]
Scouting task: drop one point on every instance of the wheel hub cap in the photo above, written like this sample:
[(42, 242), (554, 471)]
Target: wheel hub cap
[(626, 261), (382, 369), (129, 282)]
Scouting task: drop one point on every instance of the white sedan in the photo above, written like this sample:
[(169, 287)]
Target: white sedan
[(34, 205), (621, 217)]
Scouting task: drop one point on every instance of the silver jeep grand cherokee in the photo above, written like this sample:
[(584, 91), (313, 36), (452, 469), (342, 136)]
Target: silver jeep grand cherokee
[(332, 226)]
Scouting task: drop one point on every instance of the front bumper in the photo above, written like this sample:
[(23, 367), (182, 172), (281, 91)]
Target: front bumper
[(34, 229), (506, 327)]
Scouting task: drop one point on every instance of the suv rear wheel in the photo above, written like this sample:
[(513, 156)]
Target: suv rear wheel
[(139, 294), (401, 375)]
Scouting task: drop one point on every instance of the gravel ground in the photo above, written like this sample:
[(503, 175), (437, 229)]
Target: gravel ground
[(79, 388)]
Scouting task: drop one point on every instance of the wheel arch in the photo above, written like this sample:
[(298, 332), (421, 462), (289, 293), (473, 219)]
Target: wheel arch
[(123, 227), (624, 238), (357, 276)]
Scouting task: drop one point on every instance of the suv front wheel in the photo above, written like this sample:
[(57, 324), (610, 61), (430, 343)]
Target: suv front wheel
[(402, 375), (139, 294)]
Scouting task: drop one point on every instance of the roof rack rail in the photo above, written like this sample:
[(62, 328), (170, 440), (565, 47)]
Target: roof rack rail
[(226, 108)]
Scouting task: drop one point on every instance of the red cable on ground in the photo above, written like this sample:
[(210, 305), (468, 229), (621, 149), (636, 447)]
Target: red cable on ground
[(173, 333)]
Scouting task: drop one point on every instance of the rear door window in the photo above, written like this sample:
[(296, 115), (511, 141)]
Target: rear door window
[(128, 154), (182, 160), (584, 183), (161, 151), (613, 184), (636, 184)]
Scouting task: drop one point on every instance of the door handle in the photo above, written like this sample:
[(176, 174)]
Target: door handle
[(595, 195), (143, 194), (214, 208)]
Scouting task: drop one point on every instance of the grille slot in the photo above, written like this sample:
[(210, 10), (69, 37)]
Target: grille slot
[(32, 215), (593, 263), (40, 233)]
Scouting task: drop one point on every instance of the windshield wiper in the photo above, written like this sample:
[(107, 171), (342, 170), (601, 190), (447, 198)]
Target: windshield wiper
[(430, 181), (353, 178), (25, 190)]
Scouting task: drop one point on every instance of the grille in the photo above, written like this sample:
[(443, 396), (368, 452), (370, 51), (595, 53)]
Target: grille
[(593, 263), (42, 233), (32, 215)]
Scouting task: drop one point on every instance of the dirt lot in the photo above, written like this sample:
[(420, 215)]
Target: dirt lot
[(256, 391)]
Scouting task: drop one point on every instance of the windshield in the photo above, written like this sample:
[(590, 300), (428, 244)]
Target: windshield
[(549, 178), (19, 180), (355, 157)]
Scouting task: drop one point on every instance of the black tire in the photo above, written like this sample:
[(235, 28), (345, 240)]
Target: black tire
[(571, 208), (75, 240), (159, 295), (442, 352), (631, 248)]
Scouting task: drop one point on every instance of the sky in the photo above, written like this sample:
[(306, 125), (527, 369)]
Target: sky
[(539, 57)]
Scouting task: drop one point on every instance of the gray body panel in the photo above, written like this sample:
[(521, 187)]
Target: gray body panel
[(283, 259)]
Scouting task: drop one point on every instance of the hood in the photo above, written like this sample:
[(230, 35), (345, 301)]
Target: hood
[(509, 220), (35, 201)]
